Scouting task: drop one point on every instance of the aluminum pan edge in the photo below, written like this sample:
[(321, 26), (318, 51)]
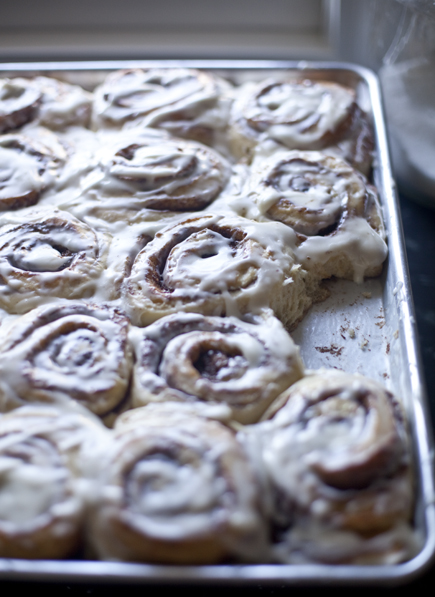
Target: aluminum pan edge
[(301, 574)]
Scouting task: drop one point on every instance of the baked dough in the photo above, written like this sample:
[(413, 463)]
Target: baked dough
[(188, 357)]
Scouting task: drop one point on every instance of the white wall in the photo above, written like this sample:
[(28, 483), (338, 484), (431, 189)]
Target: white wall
[(47, 29)]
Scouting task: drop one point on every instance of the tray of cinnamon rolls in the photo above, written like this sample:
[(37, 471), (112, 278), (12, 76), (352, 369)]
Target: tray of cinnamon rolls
[(208, 358)]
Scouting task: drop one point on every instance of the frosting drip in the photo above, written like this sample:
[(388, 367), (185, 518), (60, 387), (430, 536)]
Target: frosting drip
[(208, 264), (35, 257)]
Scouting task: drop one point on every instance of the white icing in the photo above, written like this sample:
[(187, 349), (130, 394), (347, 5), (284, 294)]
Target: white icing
[(142, 93), (311, 541), (329, 422), (89, 178), (153, 164), (151, 98), (80, 356), (204, 260), (40, 258), (356, 239), (187, 480), (61, 104), (258, 263), (46, 252), (20, 172), (307, 180), (39, 497), (256, 361), (297, 114), (16, 95), (82, 146), (19, 480), (143, 168), (217, 412)]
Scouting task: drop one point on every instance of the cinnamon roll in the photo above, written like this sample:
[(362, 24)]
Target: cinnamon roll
[(301, 114), (187, 357), (27, 168), (337, 455), (176, 488), (46, 253), (331, 207), (42, 100), (185, 102), (62, 104), (67, 351), (147, 174), (19, 103), (41, 507), (216, 266)]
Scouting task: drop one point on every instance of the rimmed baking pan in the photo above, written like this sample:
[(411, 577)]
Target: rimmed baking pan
[(386, 348)]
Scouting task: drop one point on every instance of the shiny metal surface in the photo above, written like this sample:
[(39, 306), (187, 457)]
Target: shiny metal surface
[(405, 368)]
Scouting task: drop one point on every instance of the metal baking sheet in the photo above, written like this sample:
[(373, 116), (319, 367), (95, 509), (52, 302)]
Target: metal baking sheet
[(383, 345)]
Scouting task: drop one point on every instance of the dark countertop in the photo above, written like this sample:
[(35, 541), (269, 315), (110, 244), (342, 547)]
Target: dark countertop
[(419, 229)]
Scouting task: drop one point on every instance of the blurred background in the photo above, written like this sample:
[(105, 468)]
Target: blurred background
[(89, 29)]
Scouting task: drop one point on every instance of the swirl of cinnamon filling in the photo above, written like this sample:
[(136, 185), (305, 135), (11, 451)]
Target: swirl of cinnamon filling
[(185, 102), (188, 357), (176, 488), (215, 266), (333, 209), (309, 191), (337, 455), (67, 351), (41, 509), (47, 253), (148, 170), (27, 167), (19, 102), (302, 115), (43, 100)]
